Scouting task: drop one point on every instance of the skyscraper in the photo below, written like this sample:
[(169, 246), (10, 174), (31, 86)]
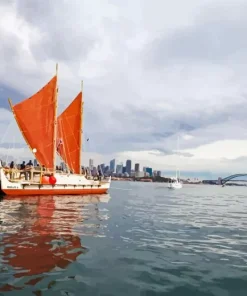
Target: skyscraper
[(94, 171), (149, 171), (128, 166), (137, 167), (102, 167), (91, 164), (112, 165), (119, 169), (107, 169)]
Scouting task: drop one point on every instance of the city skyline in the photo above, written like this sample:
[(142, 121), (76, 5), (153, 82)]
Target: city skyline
[(206, 175), (126, 170)]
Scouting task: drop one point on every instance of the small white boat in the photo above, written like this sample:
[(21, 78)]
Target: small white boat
[(175, 184)]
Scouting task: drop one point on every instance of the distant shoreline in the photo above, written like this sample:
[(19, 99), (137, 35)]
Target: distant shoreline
[(153, 180), (166, 180)]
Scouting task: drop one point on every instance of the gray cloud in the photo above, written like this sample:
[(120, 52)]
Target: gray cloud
[(217, 35), (60, 39), (5, 93)]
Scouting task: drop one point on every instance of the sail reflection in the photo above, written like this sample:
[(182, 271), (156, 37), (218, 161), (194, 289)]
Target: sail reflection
[(40, 234)]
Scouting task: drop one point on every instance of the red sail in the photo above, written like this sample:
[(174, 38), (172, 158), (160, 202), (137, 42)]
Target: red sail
[(69, 125), (35, 117)]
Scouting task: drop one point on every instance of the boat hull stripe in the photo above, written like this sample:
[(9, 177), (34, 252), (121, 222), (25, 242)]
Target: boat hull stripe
[(62, 191)]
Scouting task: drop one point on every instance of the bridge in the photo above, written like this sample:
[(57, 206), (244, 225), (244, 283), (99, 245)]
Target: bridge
[(223, 181)]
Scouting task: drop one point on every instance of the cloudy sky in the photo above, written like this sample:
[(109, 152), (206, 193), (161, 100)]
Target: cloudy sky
[(152, 70)]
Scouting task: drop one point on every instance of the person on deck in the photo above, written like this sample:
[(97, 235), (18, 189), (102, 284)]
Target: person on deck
[(11, 166), (23, 165), (30, 163), (99, 173), (29, 167)]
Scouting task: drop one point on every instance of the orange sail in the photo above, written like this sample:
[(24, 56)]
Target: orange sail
[(35, 117), (69, 125)]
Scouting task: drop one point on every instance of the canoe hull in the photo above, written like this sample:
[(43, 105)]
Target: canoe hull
[(67, 184)]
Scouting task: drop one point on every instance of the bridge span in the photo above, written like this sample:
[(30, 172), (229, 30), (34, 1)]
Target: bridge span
[(224, 180)]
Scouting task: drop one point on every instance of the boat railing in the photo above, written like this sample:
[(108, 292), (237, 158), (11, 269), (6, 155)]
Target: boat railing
[(15, 174), (34, 175)]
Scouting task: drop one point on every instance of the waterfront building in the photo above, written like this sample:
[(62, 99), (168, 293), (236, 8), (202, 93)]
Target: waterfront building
[(128, 166), (137, 167), (149, 171), (119, 169), (112, 165), (91, 164), (124, 169)]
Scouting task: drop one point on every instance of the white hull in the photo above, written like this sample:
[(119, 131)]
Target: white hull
[(66, 184), (175, 185)]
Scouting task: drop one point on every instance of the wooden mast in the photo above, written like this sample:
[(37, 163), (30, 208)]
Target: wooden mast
[(55, 124), (81, 128)]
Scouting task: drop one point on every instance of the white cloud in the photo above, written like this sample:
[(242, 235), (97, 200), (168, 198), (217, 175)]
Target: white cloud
[(150, 70), (228, 149), (187, 137), (223, 156)]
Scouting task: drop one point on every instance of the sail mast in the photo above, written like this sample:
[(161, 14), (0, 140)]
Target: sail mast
[(177, 164), (81, 127), (55, 123), (178, 157)]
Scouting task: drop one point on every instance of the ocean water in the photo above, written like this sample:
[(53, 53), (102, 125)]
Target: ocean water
[(140, 239)]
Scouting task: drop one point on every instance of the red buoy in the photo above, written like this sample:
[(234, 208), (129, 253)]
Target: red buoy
[(52, 180), (45, 180)]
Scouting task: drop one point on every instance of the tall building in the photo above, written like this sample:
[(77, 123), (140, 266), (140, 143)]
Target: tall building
[(128, 166), (144, 169), (124, 169), (119, 169), (149, 171), (137, 167), (112, 165), (91, 164), (35, 162), (102, 167), (94, 171), (107, 169), (159, 173)]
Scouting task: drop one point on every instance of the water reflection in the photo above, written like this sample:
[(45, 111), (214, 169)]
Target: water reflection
[(42, 234)]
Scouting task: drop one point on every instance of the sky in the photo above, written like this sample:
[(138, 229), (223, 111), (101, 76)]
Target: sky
[(152, 72)]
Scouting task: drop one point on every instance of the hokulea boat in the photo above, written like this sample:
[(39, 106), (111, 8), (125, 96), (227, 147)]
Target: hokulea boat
[(46, 135)]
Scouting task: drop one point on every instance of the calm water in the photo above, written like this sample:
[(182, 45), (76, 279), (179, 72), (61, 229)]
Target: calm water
[(139, 240)]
